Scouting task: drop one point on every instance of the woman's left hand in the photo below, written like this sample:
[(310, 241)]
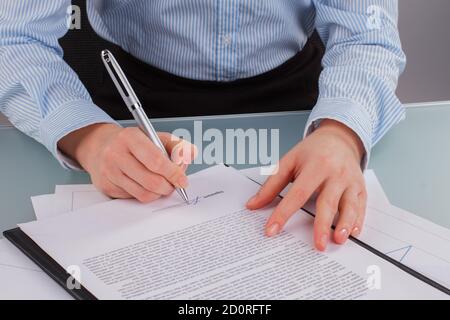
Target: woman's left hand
[(328, 162)]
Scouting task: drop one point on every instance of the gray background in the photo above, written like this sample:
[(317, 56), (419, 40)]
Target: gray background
[(425, 31)]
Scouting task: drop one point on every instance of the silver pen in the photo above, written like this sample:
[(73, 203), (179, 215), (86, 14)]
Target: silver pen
[(134, 105)]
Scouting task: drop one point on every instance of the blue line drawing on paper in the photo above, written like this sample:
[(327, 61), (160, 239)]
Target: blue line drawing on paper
[(406, 250)]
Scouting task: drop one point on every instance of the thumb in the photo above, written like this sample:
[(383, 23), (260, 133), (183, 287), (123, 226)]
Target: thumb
[(180, 151)]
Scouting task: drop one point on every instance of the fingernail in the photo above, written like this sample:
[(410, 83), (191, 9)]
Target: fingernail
[(323, 241), (273, 230), (183, 182), (177, 154), (356, 231), (344, 233)]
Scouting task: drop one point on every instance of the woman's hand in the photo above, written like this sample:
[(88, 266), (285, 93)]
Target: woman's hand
[(327, 162), (124, 162)]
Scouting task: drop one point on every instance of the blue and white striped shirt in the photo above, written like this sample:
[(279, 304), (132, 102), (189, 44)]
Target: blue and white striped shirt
[(219, 40)]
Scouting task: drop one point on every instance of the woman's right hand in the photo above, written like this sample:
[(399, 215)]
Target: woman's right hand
[(124, 162)]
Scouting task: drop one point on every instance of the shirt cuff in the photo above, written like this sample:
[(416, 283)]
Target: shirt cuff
[(66, 119), (346, 111)]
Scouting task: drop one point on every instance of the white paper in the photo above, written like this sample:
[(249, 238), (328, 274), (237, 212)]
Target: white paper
[(425, 249), (50, 205), (21, 279), (416, 242), (67, 199), (211, 247)]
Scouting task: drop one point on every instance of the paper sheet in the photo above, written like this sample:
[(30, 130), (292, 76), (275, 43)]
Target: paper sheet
[(21, 279), (418, 243), (212, 248), (69, 198)]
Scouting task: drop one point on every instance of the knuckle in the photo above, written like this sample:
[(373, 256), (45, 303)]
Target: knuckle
[(341, 171), (174, 173), (325, 160), (301, 195), (146, 197), (109, 190), (160, 186), (330, 203), (107, 152), (352, 206), (109, 155), (148, 182), (283, 171), (363, 195), (158, 162), (103, 168), (155, 184), (142, 195)]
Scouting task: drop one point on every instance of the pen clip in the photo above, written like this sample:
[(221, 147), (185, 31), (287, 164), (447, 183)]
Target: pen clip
[(120, 80)]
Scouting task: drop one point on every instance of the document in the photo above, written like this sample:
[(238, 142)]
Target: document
[(415, 242), (212, 248)]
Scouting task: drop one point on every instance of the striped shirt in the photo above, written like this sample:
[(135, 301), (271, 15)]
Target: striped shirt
[(219, 40)]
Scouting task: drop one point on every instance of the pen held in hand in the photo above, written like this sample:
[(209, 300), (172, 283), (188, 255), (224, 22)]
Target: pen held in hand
[(132, 102)]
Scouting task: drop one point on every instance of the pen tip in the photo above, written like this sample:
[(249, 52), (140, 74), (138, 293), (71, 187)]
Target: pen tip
[(183, 195)]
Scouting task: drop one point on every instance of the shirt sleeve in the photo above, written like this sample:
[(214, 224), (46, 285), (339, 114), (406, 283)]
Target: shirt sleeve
[(39, 93), (361, 66)]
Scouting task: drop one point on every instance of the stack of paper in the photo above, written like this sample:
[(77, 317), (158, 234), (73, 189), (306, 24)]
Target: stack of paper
[(417, 243)]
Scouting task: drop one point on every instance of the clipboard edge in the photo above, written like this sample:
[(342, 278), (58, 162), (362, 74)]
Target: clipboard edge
[(46, 263)]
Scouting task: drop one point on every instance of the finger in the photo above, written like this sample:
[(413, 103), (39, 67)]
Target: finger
[(362, 197), (302, 189), (273, 185), (132, 187), (148, 180), (113, 191), (348, 213), (180, 151), (326, 208), (154, 160)]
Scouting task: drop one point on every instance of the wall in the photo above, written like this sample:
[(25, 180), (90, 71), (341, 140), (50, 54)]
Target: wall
[(425, 32)]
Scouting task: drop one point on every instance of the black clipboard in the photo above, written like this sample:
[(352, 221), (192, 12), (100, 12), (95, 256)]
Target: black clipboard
[(25, 244), (59, 274)]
